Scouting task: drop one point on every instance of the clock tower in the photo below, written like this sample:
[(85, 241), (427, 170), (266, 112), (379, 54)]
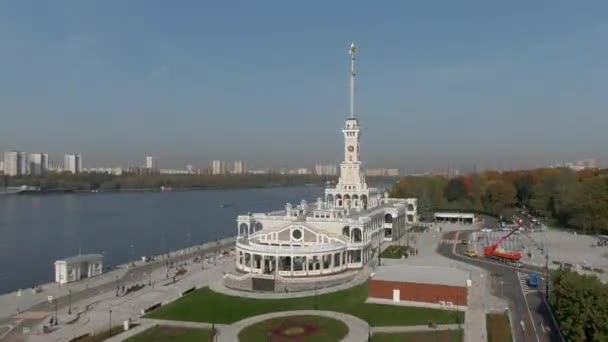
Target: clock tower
[(350, 168)]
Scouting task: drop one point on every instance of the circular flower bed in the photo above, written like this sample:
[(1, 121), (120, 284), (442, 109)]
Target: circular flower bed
[(295, 329)]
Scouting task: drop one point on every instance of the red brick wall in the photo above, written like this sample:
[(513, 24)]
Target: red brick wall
[(428, 293)]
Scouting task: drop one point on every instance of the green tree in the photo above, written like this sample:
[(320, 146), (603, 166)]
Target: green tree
[(580, 306), (590, 205), (554, 193), (524, 187), (456, 190), (499, 197)]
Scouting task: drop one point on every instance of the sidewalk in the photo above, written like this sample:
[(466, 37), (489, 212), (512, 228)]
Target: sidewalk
[(94, 312)]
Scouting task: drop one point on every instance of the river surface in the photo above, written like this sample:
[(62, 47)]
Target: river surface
[(36, 230)]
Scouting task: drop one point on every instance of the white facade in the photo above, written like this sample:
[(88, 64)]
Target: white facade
[(78, 267), (16, 163), (39, 163), (450, 217), (338, 232), (218, 167), (239, 167), (72, 163), (151, 163)]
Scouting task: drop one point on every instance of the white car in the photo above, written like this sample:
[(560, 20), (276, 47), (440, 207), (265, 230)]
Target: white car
[(486, 230)]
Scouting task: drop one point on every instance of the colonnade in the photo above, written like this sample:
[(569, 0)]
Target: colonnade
[(302, 264)]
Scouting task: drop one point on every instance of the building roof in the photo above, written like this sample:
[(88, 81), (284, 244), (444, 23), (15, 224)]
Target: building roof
[(81, 258), (422, 275)]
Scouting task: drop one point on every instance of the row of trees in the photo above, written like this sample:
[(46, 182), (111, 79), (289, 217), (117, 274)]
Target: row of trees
[(569, 198), (580, 306), (105, 182)]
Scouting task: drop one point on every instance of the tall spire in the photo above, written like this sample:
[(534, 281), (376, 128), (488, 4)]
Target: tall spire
[(351, 52)]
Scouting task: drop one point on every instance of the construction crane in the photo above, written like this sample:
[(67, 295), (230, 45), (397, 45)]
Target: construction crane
[(495, 252)]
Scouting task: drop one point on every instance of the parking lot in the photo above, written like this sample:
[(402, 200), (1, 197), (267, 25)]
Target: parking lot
[(565, 249)]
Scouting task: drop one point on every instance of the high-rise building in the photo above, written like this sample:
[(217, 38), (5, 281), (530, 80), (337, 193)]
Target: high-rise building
[(2, 166), (151, 163), (38, 163), (218, 167), (239, 167), (72, 163), (15, 163)]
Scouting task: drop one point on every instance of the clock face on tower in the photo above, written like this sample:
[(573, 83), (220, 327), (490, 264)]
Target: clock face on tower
[(350, 148)]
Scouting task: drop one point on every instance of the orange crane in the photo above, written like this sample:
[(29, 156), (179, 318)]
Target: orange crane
[(495, 252)]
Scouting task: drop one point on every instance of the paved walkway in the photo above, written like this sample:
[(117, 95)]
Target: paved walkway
[(414, 328)]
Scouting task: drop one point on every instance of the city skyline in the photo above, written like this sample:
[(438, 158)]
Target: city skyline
[(472, 83)]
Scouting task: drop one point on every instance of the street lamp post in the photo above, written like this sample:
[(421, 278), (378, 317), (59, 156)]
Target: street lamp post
[(547, 275), (379, 257), (55, 300), (69, 302), (110, 324)]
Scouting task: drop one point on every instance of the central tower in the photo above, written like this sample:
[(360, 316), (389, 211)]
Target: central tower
[(352, 192), (350, 168)]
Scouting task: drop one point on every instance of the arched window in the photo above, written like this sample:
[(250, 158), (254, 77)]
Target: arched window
[(258, 226), (388, 218), (330, 198), (364, 201), (243, 229), (346, 231), (356, 235), (410, 207)]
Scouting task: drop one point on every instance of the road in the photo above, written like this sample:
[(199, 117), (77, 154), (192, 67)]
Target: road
[(528, 310), (137, 274)]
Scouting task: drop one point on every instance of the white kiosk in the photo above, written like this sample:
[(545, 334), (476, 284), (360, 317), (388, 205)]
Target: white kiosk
[(78, 267)]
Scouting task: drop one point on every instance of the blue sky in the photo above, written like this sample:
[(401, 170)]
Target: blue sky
[(495, 84)]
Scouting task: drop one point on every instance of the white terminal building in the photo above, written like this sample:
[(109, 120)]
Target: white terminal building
[(336, 233)]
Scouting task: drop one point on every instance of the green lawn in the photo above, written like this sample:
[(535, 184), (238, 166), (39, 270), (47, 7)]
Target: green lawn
[(441, 335), (103, 335), (394, 252), (498, 328), (296, 328), (174, 334), (204, 305)]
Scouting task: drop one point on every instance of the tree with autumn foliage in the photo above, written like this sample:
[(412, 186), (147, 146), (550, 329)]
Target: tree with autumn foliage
[(499, 197), (578, 200)]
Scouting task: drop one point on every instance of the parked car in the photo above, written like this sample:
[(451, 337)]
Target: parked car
[(472, 254)]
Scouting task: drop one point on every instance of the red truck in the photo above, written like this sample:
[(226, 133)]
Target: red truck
[(495, 252)]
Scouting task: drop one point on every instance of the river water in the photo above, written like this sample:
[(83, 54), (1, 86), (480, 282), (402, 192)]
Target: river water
[(36, 230)]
